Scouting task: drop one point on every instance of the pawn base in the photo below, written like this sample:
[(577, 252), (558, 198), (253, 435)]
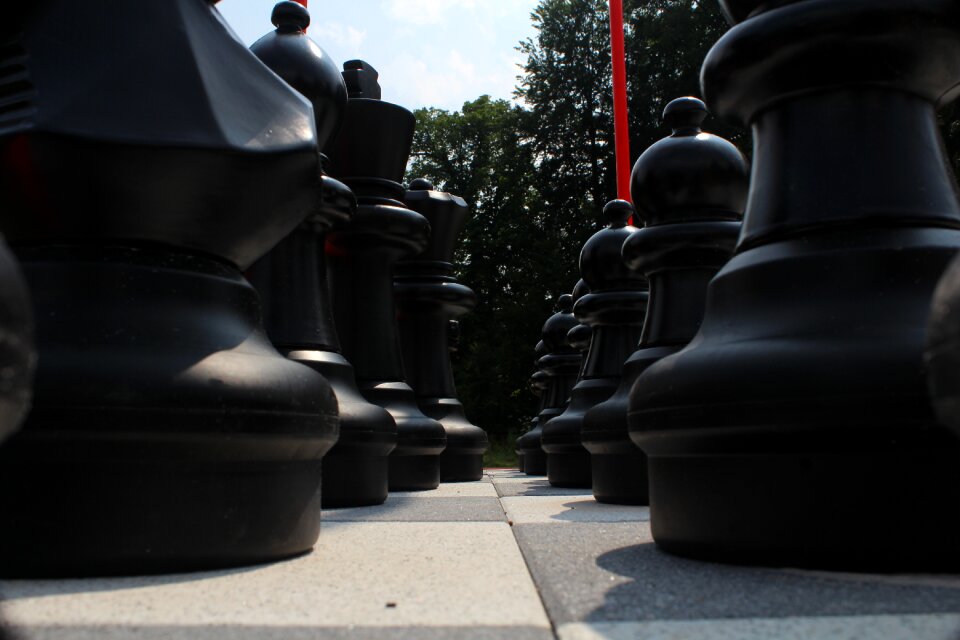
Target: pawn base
[(354, 480), (570, 470), (535, 462), (620, 478), (456, 467), (133, 517), (812, 510), (414, 473)]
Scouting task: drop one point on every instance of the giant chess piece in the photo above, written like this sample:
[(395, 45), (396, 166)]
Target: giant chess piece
[(614, 311), (154, 159), (561, 363), (428, 297), (370, 155), (529, 442), (17, 355), (690, 189), (942, 354), (292, 278), (798, 414)]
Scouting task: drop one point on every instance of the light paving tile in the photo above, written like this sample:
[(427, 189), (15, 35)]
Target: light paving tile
[(906, 627), (423, 509), (480, 489), (364, 577), (566, 508)]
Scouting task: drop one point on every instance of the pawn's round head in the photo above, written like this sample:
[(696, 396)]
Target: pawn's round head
[(618, 213), (601, 263), (290, 16), (689, 175), (420, 184), (558, 325)]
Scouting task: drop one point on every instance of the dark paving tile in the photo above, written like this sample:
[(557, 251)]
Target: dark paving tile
[(613, 572)]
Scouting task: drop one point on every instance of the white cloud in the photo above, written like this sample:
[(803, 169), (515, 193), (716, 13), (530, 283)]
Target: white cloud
[(425, 11), (345, 36)]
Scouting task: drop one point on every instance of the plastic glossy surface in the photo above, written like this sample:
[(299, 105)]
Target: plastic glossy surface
[(292, 278), (802, 399), (428, 298), (165, 425), (613, 309), (369, 156), (690, 188)]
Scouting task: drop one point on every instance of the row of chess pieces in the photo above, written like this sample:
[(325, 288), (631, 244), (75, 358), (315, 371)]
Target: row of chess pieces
[(772, 362), (216, 280)]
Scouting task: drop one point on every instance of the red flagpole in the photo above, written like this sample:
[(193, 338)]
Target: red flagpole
[(621, 130)]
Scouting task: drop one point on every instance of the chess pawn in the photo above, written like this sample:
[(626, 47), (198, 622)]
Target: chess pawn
[(370, 155), (690, 189), (530, 441), (614, 311), (167, 434), (561, 364), (799, 412), (17, 355), (292, 278), (428, 297)]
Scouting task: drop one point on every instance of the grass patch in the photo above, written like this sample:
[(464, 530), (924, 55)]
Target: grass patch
[(501, 453)]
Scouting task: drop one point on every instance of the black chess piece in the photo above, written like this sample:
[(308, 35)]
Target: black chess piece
[(292, 278), (370, 155), (154, 159), (942, 352), (529, 442), (428, 297), (798, 414), (690, 189), (17, 354), (614, 311), (561, 364)]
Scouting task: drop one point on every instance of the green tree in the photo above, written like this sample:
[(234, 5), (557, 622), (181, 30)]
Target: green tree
[(480, 153)]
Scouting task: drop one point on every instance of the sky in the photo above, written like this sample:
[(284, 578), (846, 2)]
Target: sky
[(429, 53)]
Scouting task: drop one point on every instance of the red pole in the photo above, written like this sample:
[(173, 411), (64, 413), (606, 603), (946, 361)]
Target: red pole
[(621, 131), (303, 2)]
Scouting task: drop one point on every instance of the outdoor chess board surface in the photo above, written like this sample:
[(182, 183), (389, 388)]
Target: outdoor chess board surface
[(506, 557)]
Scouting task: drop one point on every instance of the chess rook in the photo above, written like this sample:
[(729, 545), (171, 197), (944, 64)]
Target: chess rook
[(292, 278), (369, 156), (614, 310), (690, 189), (167, 434), (798, 414), (428, 298)]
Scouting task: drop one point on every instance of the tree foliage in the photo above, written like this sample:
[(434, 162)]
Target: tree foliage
[(538, 175)]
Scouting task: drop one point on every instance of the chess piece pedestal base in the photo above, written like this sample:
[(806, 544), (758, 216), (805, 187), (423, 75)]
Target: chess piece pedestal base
[(534, 462), (462, 459), (824, 509), (415, 462), (568, 463), (818, 423), (167, 433), (356, 468), (620, 468)]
